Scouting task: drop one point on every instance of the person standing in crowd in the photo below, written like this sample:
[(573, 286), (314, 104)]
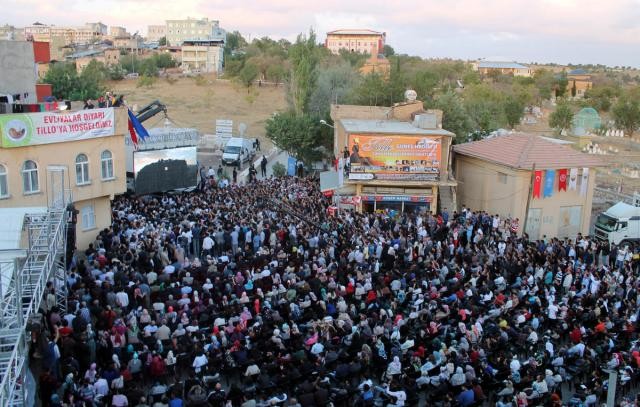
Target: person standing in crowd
[(263, 166), (286, 303)]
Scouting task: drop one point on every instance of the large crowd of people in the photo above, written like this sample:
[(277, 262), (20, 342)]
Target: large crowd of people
[(255, 295)]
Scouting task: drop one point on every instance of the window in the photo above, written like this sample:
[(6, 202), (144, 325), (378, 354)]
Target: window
[(82, 169), (88, 217), (502, 178), (106, 161), (4, 186), (30, 177)]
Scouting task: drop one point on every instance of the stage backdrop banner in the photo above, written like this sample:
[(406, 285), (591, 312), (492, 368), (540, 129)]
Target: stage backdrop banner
[(394, 157), (27, 129)]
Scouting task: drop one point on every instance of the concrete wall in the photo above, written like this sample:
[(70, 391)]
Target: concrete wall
[(502, 190), (17, 69)]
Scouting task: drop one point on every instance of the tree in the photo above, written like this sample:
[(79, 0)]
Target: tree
[(299, 135), (67, 84), (562, 118), (234, 41), (545, 82), (276, 73), (371, 91), (485, 106), (388, 50), (63, 78), (561, 84), (626, 114), (454, 116), (304, 58), (513, 110), (162, 41), (248, 74), (335, 85)]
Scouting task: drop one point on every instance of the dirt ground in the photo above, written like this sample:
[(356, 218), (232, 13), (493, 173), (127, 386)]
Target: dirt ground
[(200, 102)]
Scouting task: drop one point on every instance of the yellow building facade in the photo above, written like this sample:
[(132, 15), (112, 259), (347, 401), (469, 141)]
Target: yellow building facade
[(362, 41), (498, 176), (94, 162)]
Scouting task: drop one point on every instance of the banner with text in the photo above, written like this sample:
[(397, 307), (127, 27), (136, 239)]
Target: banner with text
[(19, 130), (394, 157)]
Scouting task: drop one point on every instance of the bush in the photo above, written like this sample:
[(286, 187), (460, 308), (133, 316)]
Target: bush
[(200, 80), (279, 170), (146, 81)]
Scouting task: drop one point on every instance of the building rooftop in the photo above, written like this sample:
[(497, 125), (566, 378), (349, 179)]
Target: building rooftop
[(578, 71), (87, 53), (389, 127), (522, 151), (354, 32), (501, 65)]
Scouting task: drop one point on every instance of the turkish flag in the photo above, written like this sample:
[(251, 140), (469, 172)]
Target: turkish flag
[(537, 182), (562, 180)]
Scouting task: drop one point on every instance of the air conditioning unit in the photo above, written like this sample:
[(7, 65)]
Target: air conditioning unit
[(636, 199)]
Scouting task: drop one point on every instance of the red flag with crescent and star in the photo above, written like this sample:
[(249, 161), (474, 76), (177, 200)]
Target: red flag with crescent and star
[(562, 180), (537, 182)]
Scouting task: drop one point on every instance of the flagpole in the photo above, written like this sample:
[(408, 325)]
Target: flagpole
[(526, 211)]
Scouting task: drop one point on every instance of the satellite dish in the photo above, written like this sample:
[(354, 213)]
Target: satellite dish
[(410, 95), (242, 128)]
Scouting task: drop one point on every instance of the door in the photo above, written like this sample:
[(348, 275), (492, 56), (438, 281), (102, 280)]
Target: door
[(569, 222), (533, 223)]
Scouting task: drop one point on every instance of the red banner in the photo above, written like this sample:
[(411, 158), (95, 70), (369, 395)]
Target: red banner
[(562, 180), (537, 183)]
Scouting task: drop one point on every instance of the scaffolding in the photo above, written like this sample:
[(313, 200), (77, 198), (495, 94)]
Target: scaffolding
[(44, 262)]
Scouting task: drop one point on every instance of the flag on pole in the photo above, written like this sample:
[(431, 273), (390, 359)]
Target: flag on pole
[(585, 182), (573, 179), (562, 179), (537, 183), (549, 180), (136, 128)]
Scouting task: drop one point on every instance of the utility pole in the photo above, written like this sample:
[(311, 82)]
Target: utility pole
[(529, 196)]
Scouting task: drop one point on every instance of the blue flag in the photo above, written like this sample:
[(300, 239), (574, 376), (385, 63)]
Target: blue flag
[(549, 180), (142, 132)]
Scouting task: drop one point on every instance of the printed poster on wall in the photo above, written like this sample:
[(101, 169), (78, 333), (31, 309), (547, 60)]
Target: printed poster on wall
[(20, 130), (394, 157)]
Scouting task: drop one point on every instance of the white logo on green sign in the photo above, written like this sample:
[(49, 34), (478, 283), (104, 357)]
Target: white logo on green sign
[(16, 130)]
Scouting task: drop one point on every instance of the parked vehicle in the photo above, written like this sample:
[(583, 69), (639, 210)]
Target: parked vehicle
[(619, 224), (238, 150)]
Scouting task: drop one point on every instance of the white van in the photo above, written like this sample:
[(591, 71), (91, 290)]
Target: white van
[(238, 150)]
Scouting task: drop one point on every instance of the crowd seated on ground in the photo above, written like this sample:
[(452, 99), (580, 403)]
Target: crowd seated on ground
[(254, 295)]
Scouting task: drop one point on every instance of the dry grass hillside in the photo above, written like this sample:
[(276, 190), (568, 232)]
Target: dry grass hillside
[(199, 102)]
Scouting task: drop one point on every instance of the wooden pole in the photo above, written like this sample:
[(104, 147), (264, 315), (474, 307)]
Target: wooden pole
[(529, 196)]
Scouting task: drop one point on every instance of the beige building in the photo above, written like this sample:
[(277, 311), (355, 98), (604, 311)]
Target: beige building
[(94, 161), (497, 175), (115, 31), (127, 42), (155, 32), (67, 35), (502, 68), (178, 31), (202, 55), (111, 56), (397, 157), (363, 41), (578, 83)]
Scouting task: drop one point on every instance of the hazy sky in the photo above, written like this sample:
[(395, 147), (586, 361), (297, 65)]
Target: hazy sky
[(562, 31)]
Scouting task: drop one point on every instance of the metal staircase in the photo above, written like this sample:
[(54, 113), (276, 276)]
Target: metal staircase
[(44, 262)]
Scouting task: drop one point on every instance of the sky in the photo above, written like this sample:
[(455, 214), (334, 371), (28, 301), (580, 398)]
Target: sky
[(560, 31)]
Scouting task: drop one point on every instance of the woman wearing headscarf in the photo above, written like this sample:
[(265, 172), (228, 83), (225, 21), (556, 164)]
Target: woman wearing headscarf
[(395, 368)]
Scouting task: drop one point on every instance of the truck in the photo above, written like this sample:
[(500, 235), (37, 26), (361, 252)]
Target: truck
[(620, 224), (237, 151)]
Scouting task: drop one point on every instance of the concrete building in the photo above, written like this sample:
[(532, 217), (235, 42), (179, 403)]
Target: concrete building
[(115, 31), (94, 161), (178, 31), (99, 28), (497, 175), (398, 157), (579, 82), (155, 32), (363, 41), (111, 56), (377, 64), (202, 55), (9, 32), (127, 42), (502, 68), (20, 61)]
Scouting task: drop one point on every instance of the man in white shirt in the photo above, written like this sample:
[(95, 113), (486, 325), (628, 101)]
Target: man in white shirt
[(199, 363)]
